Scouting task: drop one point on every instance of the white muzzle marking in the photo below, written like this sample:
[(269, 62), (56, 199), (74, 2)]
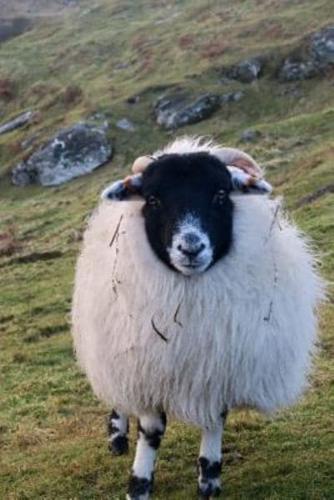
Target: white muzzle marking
[(191, 251)]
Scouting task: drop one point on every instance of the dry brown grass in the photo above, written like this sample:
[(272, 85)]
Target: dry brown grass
[(7, 89), (9, 244)]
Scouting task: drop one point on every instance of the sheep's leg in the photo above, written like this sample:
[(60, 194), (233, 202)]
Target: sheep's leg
[(151, 428), (118, 428), (210, 460)]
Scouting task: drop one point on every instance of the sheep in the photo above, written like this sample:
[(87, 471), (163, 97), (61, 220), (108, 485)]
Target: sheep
[(192, 298)]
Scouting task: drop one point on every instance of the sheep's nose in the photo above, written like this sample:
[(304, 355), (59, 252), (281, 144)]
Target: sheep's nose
[(191, 245)]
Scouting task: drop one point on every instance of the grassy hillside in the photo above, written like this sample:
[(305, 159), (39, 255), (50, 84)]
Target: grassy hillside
[(52, 435)]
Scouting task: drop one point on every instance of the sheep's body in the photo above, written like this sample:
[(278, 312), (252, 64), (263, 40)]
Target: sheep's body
[(240, 334)]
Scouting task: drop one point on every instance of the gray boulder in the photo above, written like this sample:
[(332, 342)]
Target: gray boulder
[(250, 135), (322, 46), (233, 96), (313, 60), (125, 124), (294, 70), (12, 27), (246, 71), (178, 110), (17, 122), (71, 153)]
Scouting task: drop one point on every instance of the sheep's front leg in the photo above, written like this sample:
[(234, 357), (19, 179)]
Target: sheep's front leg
[(151, 428), (210, 461), (118, 428)]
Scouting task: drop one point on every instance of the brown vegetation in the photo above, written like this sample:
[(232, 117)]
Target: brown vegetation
[(7, 89), (213, 48), (9, 243)]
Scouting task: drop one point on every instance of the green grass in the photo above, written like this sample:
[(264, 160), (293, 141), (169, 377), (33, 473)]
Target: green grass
[(52, 435)]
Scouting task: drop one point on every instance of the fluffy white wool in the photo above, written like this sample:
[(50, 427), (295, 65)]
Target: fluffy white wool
[(240, 334)]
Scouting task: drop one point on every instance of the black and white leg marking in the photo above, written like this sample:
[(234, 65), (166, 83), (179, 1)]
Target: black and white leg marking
[(210, 461), (118, 428), (151, 428)]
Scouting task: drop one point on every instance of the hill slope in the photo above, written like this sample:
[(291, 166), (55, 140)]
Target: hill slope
[(51, 428)]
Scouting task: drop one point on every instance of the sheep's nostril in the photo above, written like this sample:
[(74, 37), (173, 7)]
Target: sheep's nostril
[(191, 250)]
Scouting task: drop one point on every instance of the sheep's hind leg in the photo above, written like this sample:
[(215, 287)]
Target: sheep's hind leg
[(210, 461), (151, 428), (118, 428)]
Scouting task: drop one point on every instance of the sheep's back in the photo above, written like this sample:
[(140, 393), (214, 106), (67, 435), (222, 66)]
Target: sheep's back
[(240, 334)]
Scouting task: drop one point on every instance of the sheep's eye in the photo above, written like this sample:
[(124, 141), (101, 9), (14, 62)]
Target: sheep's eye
[(154, 202), (219, 197)]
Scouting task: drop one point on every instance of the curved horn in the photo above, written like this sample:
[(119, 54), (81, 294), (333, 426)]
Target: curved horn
[(141, 163), (237, 158)]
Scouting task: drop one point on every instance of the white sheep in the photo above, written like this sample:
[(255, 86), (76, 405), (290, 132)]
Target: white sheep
[(199, 300)]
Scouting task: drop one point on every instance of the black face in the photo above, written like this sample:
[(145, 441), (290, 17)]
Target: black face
[(188, 212)]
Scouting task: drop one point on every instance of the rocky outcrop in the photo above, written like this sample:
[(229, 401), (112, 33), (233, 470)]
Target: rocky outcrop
[(17, 122), (232, 96), (293, 70), (12, 27), (179, 110), (311, 61), (71, 153), (322, 46), (246, 71), (125, 124), (250, 135)]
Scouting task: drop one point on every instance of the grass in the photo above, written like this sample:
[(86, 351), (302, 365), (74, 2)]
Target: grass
[(52, 435)]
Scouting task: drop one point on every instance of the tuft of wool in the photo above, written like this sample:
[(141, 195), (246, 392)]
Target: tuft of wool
[(229, 156), (241, 334)]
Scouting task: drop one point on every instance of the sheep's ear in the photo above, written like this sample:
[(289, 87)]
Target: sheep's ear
[(247, 183), (124, 188)]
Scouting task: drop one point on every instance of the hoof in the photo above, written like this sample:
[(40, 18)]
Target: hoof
[(140, 488), (209, 489), (119, 445)]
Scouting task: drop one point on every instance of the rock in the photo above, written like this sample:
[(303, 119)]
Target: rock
[(232, 96), (246, 71), (314, 61), (250, 135), (293, 70), (12, 27), (71, 153), (125, 124), (322, 46), (178, 110), (134, 99), (100, 120), (17, 122)]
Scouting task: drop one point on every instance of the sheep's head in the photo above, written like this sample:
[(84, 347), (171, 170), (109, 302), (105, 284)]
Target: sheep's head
[(188, 211)]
